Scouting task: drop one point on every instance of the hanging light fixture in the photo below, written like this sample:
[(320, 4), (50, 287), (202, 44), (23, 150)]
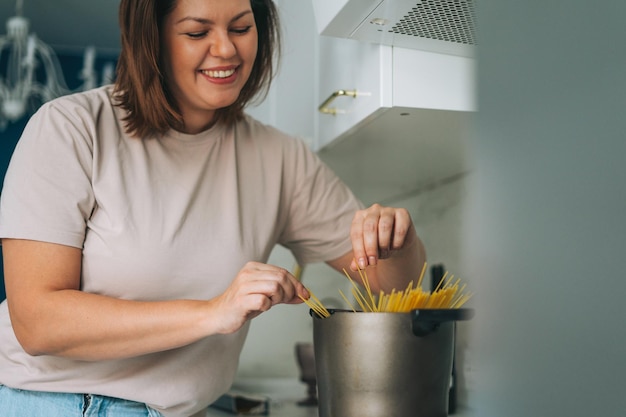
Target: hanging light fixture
[(28, 60)]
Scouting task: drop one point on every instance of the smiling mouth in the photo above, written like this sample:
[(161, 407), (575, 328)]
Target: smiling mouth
[(218, 74)]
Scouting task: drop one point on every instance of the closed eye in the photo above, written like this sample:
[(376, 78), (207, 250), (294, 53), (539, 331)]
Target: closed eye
[(196, 35), (241, 31), (200, 35)]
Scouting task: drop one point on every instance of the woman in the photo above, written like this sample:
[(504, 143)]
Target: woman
[(136, 221)]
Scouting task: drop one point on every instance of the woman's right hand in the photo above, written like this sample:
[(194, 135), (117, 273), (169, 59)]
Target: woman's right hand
[(256, 288)]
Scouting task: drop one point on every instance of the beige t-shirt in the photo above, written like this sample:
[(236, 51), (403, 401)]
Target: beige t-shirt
[(161, 218)]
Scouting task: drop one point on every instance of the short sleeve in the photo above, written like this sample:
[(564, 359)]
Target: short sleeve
[(320, 211), (47, 194)]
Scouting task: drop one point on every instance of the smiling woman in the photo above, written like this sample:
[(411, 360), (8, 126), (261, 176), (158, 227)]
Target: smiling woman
[(163, 78), (208, 57)]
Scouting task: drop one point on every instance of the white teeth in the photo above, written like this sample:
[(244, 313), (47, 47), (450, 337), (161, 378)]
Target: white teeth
[(218, 74)]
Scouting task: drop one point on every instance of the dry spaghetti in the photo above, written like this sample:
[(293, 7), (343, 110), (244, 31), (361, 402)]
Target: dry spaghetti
[(316, 305), (449, 294)]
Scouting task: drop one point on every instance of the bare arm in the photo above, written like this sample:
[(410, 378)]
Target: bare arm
[(385, 245), (50, 315)]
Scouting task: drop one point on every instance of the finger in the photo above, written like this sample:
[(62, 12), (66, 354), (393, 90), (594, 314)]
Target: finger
[(356, 236), (354, 266), (297, 299), (256, 303), (280, 286), (301, 291), (403, 223), (371, 236), (278, 292), (386, 225), (294, 293)]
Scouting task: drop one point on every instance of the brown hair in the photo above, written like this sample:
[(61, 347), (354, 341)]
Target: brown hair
[(140, 86)]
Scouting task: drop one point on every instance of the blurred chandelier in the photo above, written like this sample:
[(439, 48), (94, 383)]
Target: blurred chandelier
[(20, 88)]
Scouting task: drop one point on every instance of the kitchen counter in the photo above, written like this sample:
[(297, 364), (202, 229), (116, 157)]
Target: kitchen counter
[(284, 393)]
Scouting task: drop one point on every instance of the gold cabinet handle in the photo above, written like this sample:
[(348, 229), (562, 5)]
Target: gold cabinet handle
[(324, 107)]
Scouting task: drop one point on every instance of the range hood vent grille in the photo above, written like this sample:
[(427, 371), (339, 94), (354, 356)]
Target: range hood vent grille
[(444, 20), (440, 26)]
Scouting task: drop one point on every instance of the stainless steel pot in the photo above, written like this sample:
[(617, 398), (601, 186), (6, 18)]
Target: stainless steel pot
[(385, 364)]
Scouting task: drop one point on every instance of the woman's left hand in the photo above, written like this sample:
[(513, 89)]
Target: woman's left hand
[(378, 232)]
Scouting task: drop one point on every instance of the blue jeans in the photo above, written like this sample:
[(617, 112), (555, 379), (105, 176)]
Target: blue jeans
[(21, 403)]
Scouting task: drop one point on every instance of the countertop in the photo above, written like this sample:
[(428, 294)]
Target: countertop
[(284, 394)]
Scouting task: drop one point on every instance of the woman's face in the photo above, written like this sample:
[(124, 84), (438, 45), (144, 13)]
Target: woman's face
[(209, 48)]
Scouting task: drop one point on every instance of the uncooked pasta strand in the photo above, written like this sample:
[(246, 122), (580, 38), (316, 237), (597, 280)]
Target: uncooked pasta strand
[(419, 281)]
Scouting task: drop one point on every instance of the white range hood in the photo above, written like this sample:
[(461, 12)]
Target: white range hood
[(442, 26), (411, 70)]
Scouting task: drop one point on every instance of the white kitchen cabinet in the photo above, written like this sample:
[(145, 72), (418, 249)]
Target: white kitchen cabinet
[(385, 77), (353, 67), (407, 126)]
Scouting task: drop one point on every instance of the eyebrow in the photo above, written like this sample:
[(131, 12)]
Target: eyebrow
[(209, 21)]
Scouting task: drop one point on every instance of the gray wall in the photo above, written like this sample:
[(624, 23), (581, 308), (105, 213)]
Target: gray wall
[(545, 226)]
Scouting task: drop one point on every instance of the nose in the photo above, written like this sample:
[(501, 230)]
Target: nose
[(222, 45)]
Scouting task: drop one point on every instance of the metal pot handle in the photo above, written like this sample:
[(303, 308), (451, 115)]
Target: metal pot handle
[(427, 321)]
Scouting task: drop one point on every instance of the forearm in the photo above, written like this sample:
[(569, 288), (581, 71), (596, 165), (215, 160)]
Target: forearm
[(394, 272), (398, 270), (84, 326), (51, 316), (401, 268)]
